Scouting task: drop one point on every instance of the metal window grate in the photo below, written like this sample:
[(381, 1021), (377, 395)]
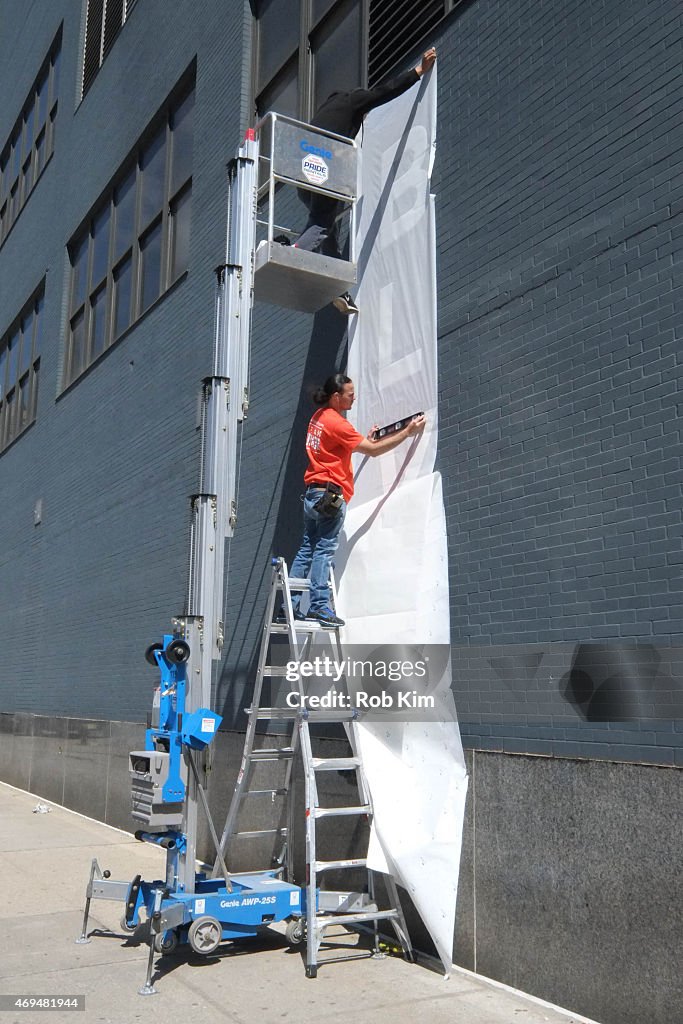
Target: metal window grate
[(104, 21), (113, 21), (93, 41), (396, 29)]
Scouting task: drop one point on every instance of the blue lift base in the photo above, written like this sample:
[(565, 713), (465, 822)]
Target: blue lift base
[(213, 912)]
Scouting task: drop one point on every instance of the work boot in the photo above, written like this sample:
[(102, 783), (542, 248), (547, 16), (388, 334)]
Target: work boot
[(345, 304), (326, 617)]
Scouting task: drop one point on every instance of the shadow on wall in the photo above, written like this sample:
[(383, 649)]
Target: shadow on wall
[(610, 682), (327, 354), (625, 683)]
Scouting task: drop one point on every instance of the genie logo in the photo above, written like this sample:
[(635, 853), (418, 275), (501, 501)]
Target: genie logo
[(315, 150), (315, 170)]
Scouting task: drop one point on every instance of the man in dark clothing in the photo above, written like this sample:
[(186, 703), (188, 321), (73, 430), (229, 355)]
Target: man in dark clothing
[(343, 113)]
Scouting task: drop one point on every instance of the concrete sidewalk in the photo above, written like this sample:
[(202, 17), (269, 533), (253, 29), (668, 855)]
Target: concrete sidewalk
[(44, 868)]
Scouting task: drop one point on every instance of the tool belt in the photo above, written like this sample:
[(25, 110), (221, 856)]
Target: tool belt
[(330, 503)]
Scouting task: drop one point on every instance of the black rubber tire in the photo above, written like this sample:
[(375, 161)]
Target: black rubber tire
[(295, 933), (204, 935), (166, 942), (149, 654), (177, 652)]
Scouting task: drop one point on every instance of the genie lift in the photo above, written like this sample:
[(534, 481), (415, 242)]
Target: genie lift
[(169, 777)]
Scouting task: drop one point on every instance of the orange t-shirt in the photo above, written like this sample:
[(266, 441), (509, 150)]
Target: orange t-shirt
[(329, 443)]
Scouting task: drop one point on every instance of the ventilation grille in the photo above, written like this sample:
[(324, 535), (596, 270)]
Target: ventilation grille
[(113, 20), (104, 20), (93, 42), (397, 27)]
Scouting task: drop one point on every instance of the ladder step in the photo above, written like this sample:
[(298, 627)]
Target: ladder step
[(290, 714), (260, 834), (333, 812), (305, 626), (333, 865), (272, 754), (264, 792), (334, 764), (297, 584), (278, 671), (330, 901), (333, 901), (324, 921)]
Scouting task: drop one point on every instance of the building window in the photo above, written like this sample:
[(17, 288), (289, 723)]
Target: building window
[(135, 242), (31, 141), (294, 79), (19, 363), (104, 20), (290, 78)]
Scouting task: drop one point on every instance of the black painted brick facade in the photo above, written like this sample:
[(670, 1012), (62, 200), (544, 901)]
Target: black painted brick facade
[(559, 212), (558, 178)]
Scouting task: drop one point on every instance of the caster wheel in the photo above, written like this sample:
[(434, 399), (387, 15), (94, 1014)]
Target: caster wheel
[(127, 928), (204, 935), (149, 654), (177, 652), (295, 931), (166, 942)]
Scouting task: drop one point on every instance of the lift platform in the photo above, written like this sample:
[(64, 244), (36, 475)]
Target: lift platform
[(297, 279), (294, 156)]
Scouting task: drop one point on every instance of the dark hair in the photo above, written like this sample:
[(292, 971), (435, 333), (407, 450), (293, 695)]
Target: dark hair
[(334, 385)]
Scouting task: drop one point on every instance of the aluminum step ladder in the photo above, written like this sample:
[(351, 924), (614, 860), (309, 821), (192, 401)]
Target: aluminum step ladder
[(325, 908)]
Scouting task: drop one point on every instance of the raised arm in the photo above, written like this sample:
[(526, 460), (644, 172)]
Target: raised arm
[(365, 100), (386, 444)]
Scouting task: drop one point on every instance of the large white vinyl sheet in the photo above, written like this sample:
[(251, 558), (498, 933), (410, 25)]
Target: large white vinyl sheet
[(392, 561)]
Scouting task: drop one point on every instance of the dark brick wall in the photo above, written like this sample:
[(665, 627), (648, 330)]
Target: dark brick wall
[(558, 210), (560, 213), (115, 457)]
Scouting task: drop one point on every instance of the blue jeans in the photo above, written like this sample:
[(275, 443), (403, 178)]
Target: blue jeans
[(321, 538)]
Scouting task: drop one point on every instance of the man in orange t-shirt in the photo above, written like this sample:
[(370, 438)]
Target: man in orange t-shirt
[(330, 442)]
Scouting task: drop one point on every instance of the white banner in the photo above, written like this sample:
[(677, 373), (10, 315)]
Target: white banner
[(393, 560)]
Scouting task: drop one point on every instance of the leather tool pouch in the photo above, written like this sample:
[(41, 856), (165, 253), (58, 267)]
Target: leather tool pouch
[(331, 501)]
